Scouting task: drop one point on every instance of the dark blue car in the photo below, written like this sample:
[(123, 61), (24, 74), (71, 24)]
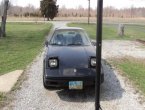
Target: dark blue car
[(70, 61)]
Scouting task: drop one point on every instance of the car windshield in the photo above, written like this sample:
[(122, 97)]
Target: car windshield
[(70, 38)]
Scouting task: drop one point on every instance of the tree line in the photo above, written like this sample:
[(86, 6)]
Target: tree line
[(18, 11), (124, 13), (31, 11), (108, 12)]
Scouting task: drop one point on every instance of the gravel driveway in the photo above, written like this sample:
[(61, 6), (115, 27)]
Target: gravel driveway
[(116, 92)]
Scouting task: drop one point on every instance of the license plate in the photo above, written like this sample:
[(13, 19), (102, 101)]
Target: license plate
[(76, 85)]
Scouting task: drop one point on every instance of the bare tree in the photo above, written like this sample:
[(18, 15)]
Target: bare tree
[(88, 11), (4, 18)]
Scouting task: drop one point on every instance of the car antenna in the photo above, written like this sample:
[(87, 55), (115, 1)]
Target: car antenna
[(98, 54)]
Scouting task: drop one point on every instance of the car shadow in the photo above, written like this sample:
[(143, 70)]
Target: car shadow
[(110, 89), (77, 96)]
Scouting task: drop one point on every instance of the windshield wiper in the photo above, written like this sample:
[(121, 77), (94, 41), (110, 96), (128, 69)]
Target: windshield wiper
[(57, 44), (74, 44)]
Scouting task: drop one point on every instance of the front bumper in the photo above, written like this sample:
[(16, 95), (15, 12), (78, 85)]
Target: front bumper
[(63, 82)]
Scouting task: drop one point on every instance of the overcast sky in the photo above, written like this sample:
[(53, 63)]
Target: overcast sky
[(75, 3)]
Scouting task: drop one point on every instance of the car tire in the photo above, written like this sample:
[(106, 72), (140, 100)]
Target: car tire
[(102, 78), (44, 83), (46, 86)]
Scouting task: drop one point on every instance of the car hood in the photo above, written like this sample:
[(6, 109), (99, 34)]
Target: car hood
[(72, 56)]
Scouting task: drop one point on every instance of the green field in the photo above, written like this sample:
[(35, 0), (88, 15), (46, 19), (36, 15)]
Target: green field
[(132, 32), (23, 42), (134, 69), (2, 97)]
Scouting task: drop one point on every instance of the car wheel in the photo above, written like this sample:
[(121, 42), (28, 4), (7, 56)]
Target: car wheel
[(102, 75), (44, 83), (46, 86)]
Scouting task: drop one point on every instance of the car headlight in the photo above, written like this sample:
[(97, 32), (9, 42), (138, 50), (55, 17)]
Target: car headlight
[(53, 62), (93, 62)]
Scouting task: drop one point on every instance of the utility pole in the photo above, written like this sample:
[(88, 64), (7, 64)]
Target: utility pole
[(89, 12), (98, 53), (4, 18)]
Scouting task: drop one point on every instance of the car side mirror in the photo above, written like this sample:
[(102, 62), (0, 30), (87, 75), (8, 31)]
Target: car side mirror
[(46, 43), (93, 43)]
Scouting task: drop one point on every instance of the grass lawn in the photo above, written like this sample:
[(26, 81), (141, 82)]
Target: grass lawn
[(23, 42), (2, 97), (132, 32), (134, 69)]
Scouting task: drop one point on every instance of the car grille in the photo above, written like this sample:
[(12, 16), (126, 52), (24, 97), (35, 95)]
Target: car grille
[(77, 71)]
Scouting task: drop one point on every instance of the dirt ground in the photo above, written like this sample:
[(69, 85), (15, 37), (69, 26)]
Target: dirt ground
[(138, 20)]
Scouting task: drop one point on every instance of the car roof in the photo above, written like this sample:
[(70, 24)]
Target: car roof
[(69, 28)]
